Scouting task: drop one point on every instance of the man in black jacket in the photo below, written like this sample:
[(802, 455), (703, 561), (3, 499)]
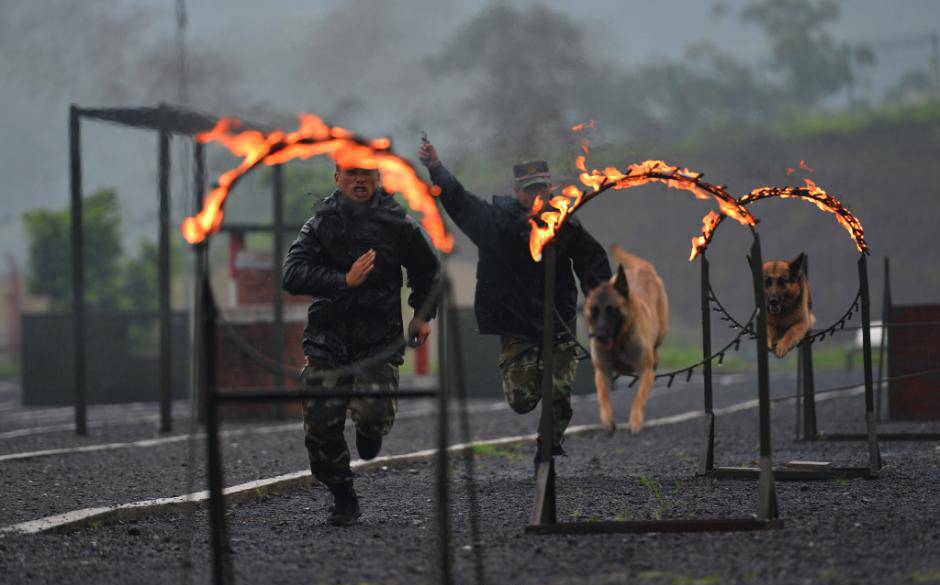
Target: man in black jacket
[(348, 257), (509, 296)]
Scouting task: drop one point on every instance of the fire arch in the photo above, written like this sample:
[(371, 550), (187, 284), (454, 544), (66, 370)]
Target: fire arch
[(312, 138), (809, 192), (547, 218)]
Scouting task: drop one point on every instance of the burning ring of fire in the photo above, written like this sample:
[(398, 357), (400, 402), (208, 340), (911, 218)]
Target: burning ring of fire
[(572, 197), (811, 192), (312, 138)]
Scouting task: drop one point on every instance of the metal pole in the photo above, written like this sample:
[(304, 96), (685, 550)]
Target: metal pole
[(78, 268), (218, 531), (935, 62), (874, 455), (442, 508), (767, 502), (885, 320), (166, 341), (460, 384), (544, 510), (808, 381), (200, 269), (278, 277), (798, 432), (708, 460)]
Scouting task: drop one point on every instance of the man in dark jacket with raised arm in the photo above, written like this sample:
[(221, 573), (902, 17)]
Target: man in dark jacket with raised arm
[(348, 257), (509, 297)]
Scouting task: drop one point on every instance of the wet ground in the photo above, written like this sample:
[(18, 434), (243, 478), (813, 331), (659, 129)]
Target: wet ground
[(842, 531)]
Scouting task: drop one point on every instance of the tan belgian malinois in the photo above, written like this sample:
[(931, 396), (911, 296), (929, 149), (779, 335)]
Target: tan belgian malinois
[(628, 318), (789, 314)]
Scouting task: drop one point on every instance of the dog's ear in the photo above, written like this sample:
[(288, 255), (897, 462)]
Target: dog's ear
[(620, 283), (798, 266)]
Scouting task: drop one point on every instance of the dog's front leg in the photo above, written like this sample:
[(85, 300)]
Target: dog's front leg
[(639, 403), (792, 337), (603, 382), (771, 333)]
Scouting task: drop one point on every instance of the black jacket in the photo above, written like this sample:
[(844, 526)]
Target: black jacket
[(509, 297), (345, 325)]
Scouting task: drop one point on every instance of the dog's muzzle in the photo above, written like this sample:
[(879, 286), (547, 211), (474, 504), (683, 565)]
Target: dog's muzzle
[(606, 343), (774, 306)]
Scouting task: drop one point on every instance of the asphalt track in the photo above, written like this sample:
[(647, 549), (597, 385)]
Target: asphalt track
[(845, 531)]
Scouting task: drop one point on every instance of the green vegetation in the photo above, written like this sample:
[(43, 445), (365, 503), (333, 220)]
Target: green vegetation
[(661, 502), (678, 579), (487, 450), (111, 282), (10, 368)]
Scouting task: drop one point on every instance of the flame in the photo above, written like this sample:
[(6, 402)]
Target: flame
[(572, 197), (811, 192), (699, 243), (313, 137), (582, 126)]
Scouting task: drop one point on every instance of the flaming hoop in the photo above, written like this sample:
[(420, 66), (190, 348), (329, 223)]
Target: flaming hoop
[(811, 192), (572, 198), (312, 138)]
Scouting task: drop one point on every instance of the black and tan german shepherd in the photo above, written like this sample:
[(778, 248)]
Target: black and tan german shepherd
[(789, 314), (628, 318)]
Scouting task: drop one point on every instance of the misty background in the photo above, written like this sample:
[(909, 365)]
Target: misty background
[(740, 90)]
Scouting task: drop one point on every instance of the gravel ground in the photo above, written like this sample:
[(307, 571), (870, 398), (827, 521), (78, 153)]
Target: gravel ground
[(44, 486), (844, 531)]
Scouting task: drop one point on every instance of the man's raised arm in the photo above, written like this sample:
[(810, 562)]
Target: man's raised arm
[(473, 216)]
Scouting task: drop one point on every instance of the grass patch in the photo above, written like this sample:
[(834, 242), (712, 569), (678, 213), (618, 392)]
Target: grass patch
[(681, 579), (689, 580), (10, 368), (926, 577), (661, 503), (486, 450)]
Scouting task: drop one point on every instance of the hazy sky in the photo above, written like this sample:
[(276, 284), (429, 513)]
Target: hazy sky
[(297, 55)]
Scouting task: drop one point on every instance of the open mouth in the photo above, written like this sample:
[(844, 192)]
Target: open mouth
[(774, 308), (606, 344)]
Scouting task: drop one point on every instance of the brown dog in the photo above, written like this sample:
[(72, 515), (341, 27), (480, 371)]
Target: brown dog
[(627, 318), (789, 317)]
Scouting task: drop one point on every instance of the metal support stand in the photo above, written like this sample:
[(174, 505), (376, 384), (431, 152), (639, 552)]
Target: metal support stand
[(871, 436), (221, 551), (708, 458), (543, 520), (277, 271), (200, 269), (78, 269), (806, 391), (767, 502), (874, 454), (883, 342), (166, 336), (221, 561), (442, 498), (543, 512)]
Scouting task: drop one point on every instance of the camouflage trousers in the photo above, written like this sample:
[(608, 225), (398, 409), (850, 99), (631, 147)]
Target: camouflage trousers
[(521, 367), (325, 418)]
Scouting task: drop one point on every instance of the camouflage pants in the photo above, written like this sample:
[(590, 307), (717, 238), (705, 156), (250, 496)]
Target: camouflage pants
[(325, 418), (521, 368)]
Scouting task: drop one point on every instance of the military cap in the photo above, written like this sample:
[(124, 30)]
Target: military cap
[(531, 173)]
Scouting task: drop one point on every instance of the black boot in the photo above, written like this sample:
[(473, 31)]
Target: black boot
[(368, 447), (345, 510)]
